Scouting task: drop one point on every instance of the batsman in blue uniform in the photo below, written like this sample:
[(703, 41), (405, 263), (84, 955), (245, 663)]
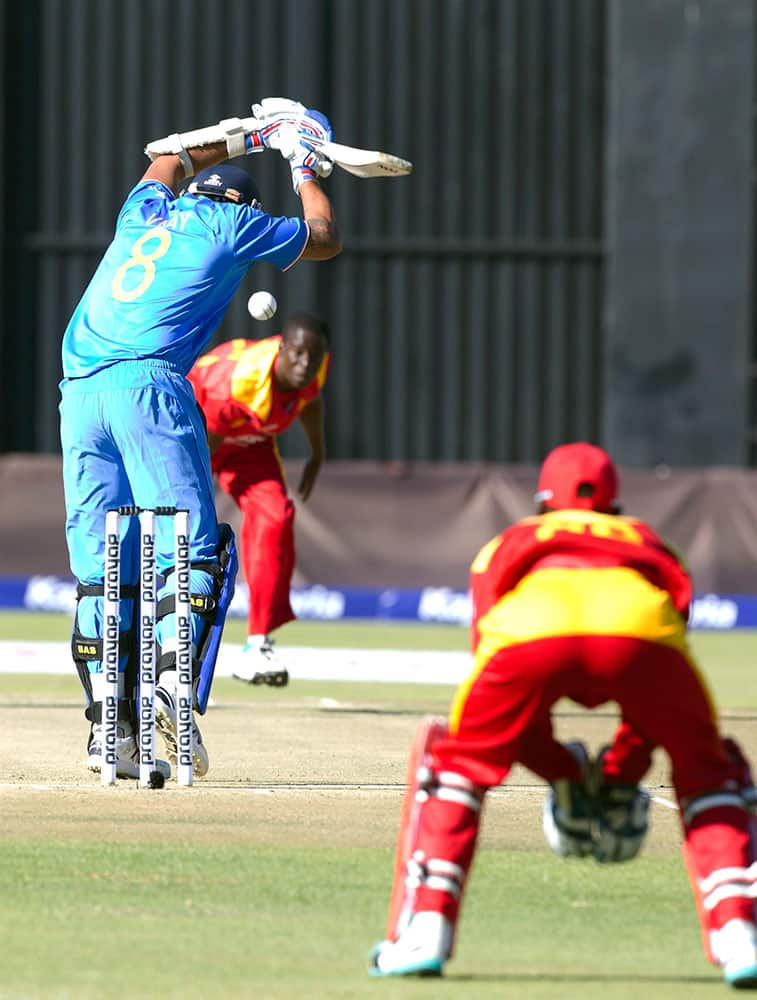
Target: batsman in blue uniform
[(131, 432)]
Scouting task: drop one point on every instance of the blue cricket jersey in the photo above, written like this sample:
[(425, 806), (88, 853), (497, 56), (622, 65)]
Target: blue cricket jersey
[(168, 277)]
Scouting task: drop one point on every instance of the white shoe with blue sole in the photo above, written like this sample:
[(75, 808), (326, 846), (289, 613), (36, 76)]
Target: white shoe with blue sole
[(421, 950), (735, 948), (741, 977)]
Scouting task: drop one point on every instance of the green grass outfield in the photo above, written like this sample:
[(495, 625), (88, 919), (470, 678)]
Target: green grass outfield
[(87, 919), (241, 887), (728, 659), (28, 625)]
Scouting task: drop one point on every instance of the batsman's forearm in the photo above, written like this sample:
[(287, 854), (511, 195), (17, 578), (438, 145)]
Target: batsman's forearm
[(324, 241), (169, 169), (207, 156), (315, 202)]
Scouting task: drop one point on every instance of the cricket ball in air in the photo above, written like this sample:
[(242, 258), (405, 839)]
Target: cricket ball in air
[(261, 305), (156, 779)]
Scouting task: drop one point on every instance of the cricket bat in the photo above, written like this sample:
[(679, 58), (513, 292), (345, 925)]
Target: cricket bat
[(363, 162), (359, 162)]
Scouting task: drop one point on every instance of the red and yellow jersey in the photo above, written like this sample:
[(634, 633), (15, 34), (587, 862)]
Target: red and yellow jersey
[(235, 384), (578, 572)]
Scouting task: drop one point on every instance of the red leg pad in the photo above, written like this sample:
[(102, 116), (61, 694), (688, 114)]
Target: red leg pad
[(430, 730), (719, 852)]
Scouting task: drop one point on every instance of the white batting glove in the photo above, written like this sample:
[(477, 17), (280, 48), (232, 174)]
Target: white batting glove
[(272, 113), (277, 107), (305, 163), (279, 115), (315, 128)]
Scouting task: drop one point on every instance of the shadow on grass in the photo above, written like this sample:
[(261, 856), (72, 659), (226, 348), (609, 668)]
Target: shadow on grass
[(324, 709), (589, 977), (349, 710)]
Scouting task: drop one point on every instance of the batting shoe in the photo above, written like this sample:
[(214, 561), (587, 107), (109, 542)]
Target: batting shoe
[(421, 949), (165, 723), (127, 753), (260, 663), (735, 948)]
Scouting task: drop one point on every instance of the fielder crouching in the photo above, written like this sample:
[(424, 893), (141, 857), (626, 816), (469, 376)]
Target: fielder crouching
[(576, 602)]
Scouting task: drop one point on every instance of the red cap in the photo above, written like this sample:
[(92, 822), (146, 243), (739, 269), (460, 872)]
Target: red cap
[(570, 466)]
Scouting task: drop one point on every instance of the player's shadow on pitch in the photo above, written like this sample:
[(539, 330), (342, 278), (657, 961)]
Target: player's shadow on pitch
[(348, 710), (574, 977)]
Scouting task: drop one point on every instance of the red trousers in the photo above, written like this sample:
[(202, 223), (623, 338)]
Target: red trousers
[(252, 475), (503, 714)]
